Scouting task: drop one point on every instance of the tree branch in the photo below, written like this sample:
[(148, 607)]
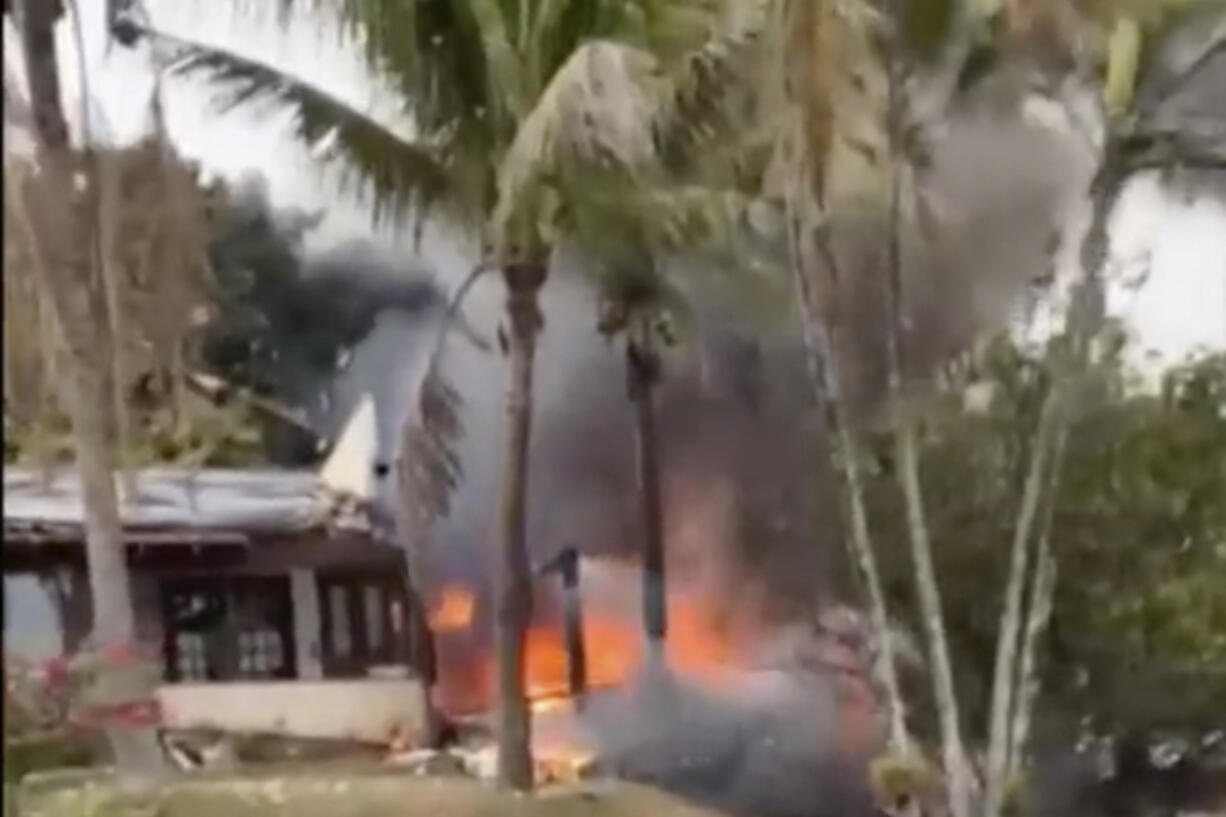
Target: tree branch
[(1185, 145)]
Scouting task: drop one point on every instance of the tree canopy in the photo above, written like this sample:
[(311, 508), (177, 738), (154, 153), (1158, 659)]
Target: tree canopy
[(1137, 528)]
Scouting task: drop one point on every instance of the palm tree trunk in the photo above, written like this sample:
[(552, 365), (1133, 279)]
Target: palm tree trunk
[(823, 375), (957, 772), (62, 189), (643, 372), (514, 584)]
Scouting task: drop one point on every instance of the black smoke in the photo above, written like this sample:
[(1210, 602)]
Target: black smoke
[(296, 326)]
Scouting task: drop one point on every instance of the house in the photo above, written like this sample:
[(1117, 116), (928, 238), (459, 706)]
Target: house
[(238, 577), (236, 574)]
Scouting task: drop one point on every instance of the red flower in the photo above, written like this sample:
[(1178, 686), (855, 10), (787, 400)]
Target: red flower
[(56, 671)]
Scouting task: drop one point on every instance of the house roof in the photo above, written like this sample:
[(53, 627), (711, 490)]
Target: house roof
[(208, 501)]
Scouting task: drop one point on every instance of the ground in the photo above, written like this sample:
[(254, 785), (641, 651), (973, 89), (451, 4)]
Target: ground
[(337, 795)]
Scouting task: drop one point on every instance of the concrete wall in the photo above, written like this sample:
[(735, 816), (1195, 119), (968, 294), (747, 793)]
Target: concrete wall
[(373, 710)]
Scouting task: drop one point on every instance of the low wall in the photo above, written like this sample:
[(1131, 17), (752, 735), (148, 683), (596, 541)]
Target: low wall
[(367, 709)]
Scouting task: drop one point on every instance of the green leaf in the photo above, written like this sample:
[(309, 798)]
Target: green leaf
[(399, 171)]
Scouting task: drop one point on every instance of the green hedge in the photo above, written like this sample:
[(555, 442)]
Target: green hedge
[(50, 750)]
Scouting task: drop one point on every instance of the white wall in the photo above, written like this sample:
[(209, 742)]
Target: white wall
[(372, 710)]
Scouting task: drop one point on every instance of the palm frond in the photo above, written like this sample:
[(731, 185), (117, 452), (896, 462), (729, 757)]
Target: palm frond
[(399, 172), (595, 112), (837, 86), (434, 54), (430, 468), (696, 232), (502, 60), (712, 93), (676, 27)]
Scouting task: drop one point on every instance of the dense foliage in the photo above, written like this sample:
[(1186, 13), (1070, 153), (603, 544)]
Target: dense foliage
[(1138, 529)]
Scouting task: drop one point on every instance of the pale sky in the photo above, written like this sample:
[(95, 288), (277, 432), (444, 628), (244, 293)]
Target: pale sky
[(1179, 308)]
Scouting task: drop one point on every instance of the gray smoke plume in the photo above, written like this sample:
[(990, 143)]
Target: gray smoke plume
[(762, 746), (1001, 187)]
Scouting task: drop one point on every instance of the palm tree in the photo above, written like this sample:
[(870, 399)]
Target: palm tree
[(512, 104), (59, 224)]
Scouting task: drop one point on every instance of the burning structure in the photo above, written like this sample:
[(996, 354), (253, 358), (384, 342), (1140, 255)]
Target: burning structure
[(765, 699), (763, 704)]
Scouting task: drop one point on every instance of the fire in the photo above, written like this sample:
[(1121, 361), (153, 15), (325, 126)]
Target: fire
[(614, 649), (454, 611), (611, 648), (613, 638)]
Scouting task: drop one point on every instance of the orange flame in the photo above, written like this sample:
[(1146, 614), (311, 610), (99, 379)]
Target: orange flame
[(614, 646), (614, 650), (454, 611)]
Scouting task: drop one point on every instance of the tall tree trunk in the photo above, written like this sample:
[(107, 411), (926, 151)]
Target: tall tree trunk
[(953, 751), (957, 772), (1008, 633), (823, 376), (514, 584), (1039, 607), (643, 372), (65, 223)]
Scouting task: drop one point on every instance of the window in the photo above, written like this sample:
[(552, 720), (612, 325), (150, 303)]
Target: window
[(228, 627), (261, 653), (357, 626), (191, 659)]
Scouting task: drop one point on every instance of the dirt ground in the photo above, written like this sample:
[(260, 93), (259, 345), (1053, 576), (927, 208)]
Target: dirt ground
[(343, 796)]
